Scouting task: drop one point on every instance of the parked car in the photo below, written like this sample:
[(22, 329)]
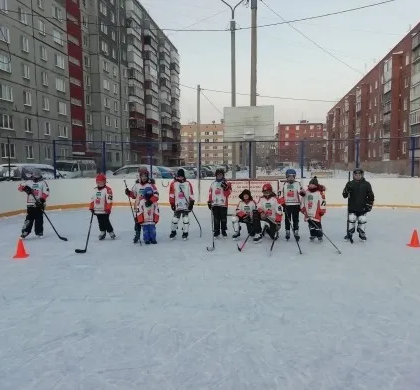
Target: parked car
[(131, 171), (167, 173), (17, 171), (190, 172), (74, 169)]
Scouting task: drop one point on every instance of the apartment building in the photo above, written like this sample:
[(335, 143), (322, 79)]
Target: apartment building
[(371, 123), (153, 66), (415, 93), (34, 81), (213, 150), (106, 84), (291, 148)]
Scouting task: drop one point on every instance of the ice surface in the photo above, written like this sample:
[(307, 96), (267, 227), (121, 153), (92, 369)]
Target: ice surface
[(174, 316)]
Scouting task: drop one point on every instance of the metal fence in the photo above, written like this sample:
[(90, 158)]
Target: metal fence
[(399, 156)]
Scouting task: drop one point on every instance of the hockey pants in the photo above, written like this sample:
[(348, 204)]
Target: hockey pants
[(34, 215), (104, 223), (249, 225), (271, 227), (184, 214), (292, 214), (360, 218), (149, 233), (220, 219), (315, 228)]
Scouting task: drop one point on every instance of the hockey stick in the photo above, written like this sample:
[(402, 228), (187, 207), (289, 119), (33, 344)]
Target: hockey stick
[(46, 216), (211, 248), (276, 236), (199, 226), (87, 238), (296, 240), (240, 247), (316, 228), (132, 212)]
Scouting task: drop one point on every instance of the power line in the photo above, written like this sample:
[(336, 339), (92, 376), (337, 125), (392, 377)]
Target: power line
[(348, 10), (262, 96), (211, 103), (312, 41)]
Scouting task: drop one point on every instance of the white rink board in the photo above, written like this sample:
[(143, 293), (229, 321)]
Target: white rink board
[(73, 193), (255, 186)]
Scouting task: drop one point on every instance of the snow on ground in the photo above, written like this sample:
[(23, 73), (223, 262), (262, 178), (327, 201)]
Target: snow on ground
[(174, 316)]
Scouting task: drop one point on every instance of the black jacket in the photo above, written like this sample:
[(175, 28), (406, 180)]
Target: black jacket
[(360, 194)]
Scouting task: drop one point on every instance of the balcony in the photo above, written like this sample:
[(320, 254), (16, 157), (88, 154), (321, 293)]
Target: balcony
[(150, 29), (152, 114), (150, 43), (415, 79), (416, 56), (152, 86), (150, 56), (174, 79), (165, 46), (165, 97), (174, 68), (416, 41), (164, 70), (174, 57), (136, 90), (167, 134), (164, 58), (135, 74), (165, 122), (136, 123), (165, 84), (136, 108)]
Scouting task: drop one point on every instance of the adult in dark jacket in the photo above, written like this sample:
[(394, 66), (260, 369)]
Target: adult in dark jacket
[(361, 199)]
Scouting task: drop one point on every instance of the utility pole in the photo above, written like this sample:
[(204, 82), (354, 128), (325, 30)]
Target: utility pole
[(233, 73), (197, 136), (253, 168)]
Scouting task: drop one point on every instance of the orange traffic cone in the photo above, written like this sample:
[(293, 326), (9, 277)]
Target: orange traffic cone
[(414, 243), (20, 250)]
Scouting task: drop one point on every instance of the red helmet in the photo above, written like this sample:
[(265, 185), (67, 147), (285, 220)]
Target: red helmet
[(267, 188), (100, 178)]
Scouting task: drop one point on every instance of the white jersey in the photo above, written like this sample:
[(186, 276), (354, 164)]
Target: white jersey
[(101, 202), (148, 215), (138, 190), (180, 194), (291, 193), (271, 207), (218, 196), (245, 208), (40, 190), (314, 205)]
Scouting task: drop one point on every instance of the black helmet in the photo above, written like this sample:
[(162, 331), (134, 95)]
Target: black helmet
[(359, 170)]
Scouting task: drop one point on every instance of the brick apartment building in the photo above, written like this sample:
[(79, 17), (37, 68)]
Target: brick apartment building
[(81, 78), (290, 137), (213, 150), (380, 113)]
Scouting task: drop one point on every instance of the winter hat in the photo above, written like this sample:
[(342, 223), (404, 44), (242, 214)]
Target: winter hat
[(245, 192), (314, 181), (180, 173)]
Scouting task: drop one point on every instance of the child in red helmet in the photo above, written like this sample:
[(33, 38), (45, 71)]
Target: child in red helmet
[(314, 207), (101, 205), (270, 212)]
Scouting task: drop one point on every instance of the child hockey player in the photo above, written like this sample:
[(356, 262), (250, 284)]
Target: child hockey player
[(37, 192), (148, 215), (361, 199), (314, 207), (291, 205), (269, 210), (143, 182), (101, 205), (219, 193), (244, 212), (181, 199)]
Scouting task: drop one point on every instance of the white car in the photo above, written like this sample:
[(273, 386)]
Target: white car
[(15, 174), (132, 171)]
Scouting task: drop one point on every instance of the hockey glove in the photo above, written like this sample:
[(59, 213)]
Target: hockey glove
[(149, 202), (368, 208), (28, 190), (127, 192), (246, 219), (191, 205), (209, 205), (40, 204), (225, 185), (173, 208), (92, 211), (302, 192)]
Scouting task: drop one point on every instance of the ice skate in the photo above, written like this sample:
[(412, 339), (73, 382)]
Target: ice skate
[(172, 235), (296, 234), (102, 236), (258, 238), (287, 235), (185, 236), (153, 242), (112, 235), (224, 234), (236, 236)]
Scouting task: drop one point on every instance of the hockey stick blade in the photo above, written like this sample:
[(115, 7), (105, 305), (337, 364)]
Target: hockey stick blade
[(80, 250), (210, 248)]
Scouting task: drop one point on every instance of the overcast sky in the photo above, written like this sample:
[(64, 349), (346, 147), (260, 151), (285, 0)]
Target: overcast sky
[(289, 65)]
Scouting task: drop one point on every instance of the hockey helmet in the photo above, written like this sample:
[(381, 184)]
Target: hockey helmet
[(220, 171), (358, 171), (143, 172), (100, 180), (36, 173), (290, 172), (180, 175), (148, 192), (267, 188)]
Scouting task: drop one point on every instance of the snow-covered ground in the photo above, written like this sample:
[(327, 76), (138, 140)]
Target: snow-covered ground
[(175, 316)]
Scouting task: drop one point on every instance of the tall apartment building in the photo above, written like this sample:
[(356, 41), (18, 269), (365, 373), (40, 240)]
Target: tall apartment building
[(415, 92), (153, 64), (34, 80), (213, 150), (116, 79), (290, 137), (372, 122)]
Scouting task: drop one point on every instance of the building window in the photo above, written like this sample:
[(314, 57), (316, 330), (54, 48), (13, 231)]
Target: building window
[(407, 59), (105, 84), (4, 34), (47, 153), (43, 53), (44, 77), (104, 47), (107, 120), (26, 71), (40, 4), (88, 100), (105, 66), (5, 63), (56, 13), (45, 103), (27, 125), (60, 85), (62, 108), (25, 44), (27, 98), (47, 128), (29, 150), (405, 104), (23, 17), (58, 38), (115, 106), (41, 27), (62, 131), (76, 102), (6, 122), (89, 119), (102, 8), (8, 150), (3, 6), (77, 122), (104, 27), (116, 125)]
